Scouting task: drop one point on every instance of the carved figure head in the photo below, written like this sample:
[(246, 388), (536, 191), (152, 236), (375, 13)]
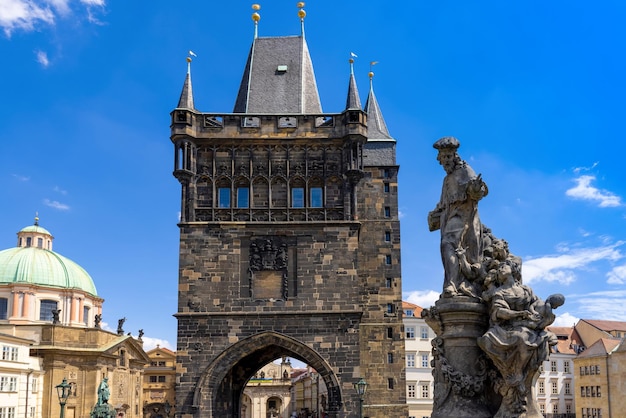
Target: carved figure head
[(448, 157)]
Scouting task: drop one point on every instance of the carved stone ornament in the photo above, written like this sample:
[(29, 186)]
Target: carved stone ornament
[(268, 254)]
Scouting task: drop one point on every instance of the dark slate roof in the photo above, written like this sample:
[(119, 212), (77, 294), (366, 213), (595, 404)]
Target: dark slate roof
[(352, 101), (268, 87), (186, 96), (376, 127)]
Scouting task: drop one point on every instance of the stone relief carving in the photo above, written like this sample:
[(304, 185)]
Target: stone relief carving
[(269, 255)]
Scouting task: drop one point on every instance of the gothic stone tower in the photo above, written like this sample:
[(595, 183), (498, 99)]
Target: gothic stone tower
[(289, 241)]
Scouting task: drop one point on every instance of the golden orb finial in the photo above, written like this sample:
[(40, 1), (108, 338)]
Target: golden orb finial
[(255, 16), (371, 74), (301, 12), (188, 59)]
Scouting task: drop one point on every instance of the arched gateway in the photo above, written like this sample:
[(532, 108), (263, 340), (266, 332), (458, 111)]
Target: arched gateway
[(221, 385), (289, 240)]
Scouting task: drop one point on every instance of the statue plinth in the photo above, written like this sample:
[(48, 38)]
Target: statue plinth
[(462, 385)]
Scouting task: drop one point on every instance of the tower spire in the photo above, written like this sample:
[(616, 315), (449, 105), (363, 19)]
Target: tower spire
[(376, 127), (353, 100), (186, 96)]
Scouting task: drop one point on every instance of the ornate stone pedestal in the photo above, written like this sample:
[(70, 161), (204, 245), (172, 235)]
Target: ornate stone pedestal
[(462, 385)]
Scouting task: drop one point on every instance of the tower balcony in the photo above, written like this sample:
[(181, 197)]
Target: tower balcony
[(239, 126)]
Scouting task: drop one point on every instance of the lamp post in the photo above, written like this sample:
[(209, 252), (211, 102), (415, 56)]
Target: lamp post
[(63, 390), (361, 388)]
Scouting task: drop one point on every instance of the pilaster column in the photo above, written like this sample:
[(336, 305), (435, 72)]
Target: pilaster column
[(81, 310), (73, 316), (16, 304), (26, 304)]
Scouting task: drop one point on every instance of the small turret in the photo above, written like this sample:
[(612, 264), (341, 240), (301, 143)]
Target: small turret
[(376, 127), (186, 96), (352, 101)]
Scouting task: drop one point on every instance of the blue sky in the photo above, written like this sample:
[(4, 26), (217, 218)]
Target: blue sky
[(534, 91)]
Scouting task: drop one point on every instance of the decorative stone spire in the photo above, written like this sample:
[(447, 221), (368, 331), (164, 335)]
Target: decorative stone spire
[(376, 127), (186, 96), (353, 101)]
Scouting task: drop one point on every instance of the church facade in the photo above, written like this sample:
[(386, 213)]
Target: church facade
[(289, 240)]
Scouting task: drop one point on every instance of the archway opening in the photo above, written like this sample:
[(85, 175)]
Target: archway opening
[(227, 387)]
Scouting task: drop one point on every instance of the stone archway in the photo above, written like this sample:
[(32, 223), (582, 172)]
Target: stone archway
[(219, 389)]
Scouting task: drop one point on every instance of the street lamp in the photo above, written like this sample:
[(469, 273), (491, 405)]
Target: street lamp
[(63, 390), (361, 388)]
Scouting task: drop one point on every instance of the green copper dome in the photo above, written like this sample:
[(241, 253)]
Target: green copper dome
[(33, 262)]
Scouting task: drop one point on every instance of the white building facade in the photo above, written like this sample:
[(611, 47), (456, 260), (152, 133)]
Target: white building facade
[(20, 379), (418, 356), (554, 388)]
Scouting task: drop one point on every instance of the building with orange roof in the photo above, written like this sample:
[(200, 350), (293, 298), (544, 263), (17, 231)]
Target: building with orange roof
[(159, 383), (591, 330), (598, 386)]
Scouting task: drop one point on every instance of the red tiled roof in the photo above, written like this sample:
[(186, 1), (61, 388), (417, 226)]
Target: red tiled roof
[(607, 326), (417, 310), (565, 336), (600, 348)]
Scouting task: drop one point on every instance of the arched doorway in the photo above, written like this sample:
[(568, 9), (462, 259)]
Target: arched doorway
[(220, 388)]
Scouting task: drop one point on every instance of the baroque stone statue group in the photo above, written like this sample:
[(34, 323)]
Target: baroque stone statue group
[(490, 326)]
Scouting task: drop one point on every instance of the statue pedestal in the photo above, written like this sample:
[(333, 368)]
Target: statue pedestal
[(462, 385)]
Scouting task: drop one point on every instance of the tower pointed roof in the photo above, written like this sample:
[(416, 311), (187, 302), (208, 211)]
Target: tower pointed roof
[(352, 101), (278, 78), (186, 96), (376, 127)]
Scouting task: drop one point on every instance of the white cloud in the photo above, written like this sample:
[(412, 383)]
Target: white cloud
[(585, 191), (21, 178), (617, 275), (565, 320), (28, 15), (56, 204), (150, 343), (61, 6), (60, 190), (607, 305), (42, 58), (561, 268), (422, 298), (93, 2), (579, 169), (22, 14)]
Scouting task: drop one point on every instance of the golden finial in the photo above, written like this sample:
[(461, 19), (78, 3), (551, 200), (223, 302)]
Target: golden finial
[(255, 16), (301, 12), (36, 218), (188, 59)]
